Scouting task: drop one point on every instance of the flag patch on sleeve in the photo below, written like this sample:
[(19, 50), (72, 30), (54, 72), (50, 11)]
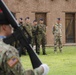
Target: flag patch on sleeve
[(12, 62)]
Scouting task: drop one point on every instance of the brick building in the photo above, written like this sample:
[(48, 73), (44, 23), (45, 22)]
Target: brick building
[(49, 10)]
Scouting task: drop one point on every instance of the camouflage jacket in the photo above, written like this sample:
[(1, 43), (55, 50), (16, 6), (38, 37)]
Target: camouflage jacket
[(10, 63), (57, 30), (28, 27), (34, 30), (41, 29)]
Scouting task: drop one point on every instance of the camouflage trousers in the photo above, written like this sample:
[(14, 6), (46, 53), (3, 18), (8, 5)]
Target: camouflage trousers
[(41, 40), (57, 43)]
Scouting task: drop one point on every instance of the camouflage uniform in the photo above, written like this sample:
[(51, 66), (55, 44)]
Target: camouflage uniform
[(57, 31), (10, 63), (9, 58), (28, 28), (22, 50), (41, 37), (34, 32), (17, 44)]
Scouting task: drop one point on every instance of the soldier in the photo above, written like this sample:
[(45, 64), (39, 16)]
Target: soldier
[(20, 21), (57, 32), (28, 27), (16, 44), (21, 49), (9, 58), (41, 36), (34, 32)]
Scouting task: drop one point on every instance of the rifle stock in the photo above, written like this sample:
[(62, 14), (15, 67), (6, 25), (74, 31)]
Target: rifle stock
[(19, 35)]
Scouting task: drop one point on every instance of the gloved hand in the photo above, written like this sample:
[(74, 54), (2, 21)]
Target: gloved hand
[(42, 70), (46, 69)]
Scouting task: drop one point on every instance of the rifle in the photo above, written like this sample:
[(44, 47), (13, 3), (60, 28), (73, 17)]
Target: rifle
[(19, 35)]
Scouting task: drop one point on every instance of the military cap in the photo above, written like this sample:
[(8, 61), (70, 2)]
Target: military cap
[(3, 19), (58, 18), (35, 21), (21, 18), (27, 18), (41, 19)]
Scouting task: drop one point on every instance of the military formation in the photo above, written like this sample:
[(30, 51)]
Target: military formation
[(36, 34), (10, 63)]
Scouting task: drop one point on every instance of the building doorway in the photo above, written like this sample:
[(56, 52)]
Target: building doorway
[(40, 15), (70, 27)]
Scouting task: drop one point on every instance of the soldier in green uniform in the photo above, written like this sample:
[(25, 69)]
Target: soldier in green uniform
[(28, 27), (57, 32), (9, 58), (41, 36), (19, 48), (20, 21), (34, 32), (22, 50), (17, 44)]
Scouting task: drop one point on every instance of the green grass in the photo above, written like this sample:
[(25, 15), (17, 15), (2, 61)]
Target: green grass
[(60, 63)]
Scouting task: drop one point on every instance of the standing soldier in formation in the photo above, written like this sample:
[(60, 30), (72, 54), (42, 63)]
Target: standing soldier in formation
[(34, 32), (28, 27), (21, 21), (10, 63), (57, 32), (18, 46), (21, 49), (41, 36)]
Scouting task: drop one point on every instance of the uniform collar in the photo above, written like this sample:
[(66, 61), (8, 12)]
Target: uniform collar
[(2, 37), (58, 24)]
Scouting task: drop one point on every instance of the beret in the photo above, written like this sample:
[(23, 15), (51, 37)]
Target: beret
[(35, 21), (58, 18), (41, 19), (21, 18), (3, 19), (27, 18)]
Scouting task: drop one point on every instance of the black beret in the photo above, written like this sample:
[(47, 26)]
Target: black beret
[(3, 19), (58, 18), (27, 18), (41, 19), (21, 18), (35, 21)]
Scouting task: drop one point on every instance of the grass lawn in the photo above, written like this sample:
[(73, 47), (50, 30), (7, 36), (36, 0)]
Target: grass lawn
[(60, 63)]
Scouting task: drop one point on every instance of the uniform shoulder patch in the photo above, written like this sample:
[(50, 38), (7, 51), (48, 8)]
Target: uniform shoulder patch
[(12, 61)]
